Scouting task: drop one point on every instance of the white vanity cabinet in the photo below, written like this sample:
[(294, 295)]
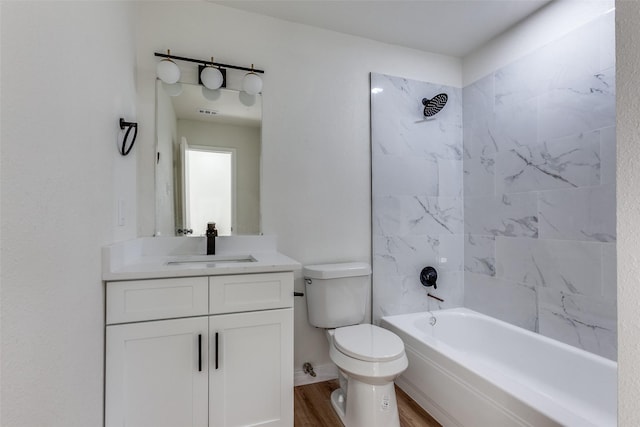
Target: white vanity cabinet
[(200, 351)]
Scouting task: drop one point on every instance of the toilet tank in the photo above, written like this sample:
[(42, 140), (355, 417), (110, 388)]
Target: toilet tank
[(337, 294)]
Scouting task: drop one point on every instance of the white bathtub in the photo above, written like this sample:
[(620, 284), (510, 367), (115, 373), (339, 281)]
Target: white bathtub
[(473, 370)]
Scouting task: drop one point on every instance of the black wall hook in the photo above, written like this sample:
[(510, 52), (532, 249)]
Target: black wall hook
[(126, 147)]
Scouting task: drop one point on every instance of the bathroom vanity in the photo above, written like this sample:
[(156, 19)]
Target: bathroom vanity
[(195, 340)]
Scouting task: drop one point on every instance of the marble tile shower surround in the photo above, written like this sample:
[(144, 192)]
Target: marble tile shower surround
[(509, 192), (539, 190), (417, 169)]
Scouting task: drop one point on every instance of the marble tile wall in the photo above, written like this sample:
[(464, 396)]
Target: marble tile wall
[(539, 190), (417, 184), (509, 192)]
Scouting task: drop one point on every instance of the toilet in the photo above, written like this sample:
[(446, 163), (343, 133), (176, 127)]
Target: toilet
[(369, 358)]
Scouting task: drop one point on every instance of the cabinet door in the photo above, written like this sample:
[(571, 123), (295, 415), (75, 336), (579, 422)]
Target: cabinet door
[(157, 374), (251, 380)]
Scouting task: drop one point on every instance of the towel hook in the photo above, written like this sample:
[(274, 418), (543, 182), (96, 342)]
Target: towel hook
[(129, 125)]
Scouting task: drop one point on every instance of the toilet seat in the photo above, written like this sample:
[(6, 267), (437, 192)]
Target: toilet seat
[(368, 343)]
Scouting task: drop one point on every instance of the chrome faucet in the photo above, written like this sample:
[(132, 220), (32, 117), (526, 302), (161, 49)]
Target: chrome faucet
[(212, 233)]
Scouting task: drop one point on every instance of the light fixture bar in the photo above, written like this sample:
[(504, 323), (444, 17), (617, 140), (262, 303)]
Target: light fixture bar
[(198, 61)]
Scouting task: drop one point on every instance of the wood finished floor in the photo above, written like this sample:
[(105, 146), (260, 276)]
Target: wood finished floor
[(312, 408)]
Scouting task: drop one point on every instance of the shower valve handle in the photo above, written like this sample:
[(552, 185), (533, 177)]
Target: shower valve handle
[(428, 277)]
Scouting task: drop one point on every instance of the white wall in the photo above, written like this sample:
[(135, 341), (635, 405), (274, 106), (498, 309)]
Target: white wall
[(550, 23), (316, 145), (67, 76), (628, 177)]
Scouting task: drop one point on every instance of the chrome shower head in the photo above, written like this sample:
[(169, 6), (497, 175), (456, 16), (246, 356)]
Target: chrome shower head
[(434, 105)]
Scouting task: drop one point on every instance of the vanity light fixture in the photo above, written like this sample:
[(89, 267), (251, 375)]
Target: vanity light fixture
[(167, 70), (251, 83)]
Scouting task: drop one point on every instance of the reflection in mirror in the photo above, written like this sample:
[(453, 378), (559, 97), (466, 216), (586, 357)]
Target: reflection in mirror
[(207, 161)]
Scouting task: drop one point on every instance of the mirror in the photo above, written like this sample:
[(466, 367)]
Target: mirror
[(208, 146)]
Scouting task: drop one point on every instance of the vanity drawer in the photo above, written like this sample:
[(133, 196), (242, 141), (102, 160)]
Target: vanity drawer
[(247, 292), (138, 300)]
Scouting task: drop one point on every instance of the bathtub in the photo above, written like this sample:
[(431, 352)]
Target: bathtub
[(469, 369)]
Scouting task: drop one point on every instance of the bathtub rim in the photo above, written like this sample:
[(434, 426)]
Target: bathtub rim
[(472, 313)]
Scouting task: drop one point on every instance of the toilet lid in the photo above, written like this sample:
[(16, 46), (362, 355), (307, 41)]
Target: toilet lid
[(369, 343)]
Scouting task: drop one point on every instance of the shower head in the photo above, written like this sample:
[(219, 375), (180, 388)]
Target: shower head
[(434, 105)]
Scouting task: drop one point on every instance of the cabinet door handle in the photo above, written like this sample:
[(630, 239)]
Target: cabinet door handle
[(199, 352), (216, 361)]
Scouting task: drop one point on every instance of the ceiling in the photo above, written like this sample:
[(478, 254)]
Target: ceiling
[(449, 27)]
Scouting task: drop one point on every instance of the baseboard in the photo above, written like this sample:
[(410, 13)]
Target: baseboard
[(323, 373)]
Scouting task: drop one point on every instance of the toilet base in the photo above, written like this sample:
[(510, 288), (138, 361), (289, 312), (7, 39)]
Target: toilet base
[(339, 403), (366, 405)]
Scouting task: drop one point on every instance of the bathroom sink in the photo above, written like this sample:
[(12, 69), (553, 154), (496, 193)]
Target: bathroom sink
[(211, 260)]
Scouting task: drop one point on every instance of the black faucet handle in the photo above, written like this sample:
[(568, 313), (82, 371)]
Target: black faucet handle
[(428, 277)]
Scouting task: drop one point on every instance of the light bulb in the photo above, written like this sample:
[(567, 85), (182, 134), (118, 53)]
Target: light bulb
[(211, 77), (252, 83), (168, 71), (246, 99), (172, 90), (211, 95)]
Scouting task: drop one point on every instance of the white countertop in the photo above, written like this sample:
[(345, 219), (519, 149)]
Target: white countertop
[(148, 258)]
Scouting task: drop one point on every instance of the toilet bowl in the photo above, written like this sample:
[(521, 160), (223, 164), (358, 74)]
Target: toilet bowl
[(369, 358)]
